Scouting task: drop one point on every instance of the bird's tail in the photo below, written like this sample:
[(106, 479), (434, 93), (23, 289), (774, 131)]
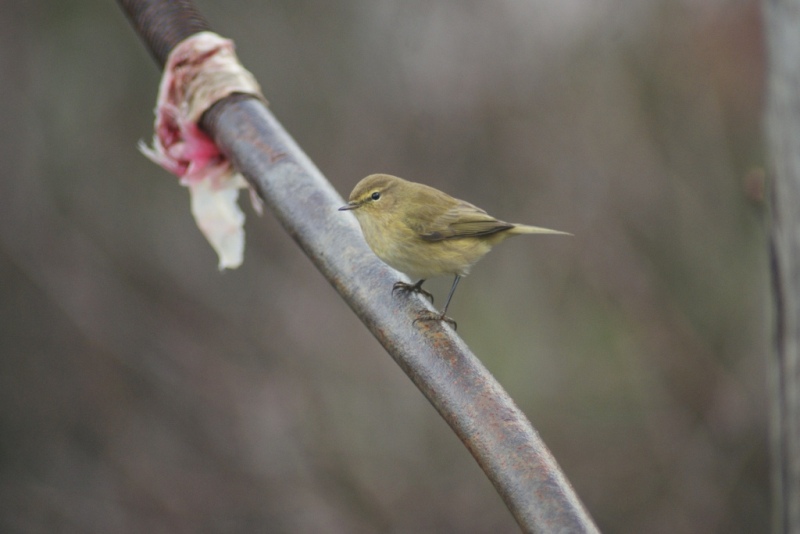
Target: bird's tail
[(525, 229)]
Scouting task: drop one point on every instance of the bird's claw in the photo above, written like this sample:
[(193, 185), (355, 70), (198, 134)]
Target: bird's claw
[(412, 288), (432, 316)]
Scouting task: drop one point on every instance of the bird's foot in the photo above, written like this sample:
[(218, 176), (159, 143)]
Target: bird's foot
[(412, 288), (427, 315)]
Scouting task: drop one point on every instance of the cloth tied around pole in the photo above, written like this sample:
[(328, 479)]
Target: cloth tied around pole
[(200, 71)]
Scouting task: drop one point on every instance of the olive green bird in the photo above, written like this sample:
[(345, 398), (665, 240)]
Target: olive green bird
[(425, 233)]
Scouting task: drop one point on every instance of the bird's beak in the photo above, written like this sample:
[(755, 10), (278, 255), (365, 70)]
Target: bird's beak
[(349, 206)]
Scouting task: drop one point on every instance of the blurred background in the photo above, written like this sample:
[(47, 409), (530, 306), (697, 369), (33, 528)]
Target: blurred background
[(141, 390)]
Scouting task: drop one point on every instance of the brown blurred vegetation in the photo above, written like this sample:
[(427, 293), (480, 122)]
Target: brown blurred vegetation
[(143, 391)]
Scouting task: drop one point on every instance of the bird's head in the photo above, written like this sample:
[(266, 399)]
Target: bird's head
[(377, 193)]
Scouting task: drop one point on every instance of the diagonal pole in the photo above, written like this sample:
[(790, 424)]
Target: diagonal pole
[(439, 363)]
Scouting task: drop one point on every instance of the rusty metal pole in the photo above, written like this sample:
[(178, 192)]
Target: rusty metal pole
[(466, 395)]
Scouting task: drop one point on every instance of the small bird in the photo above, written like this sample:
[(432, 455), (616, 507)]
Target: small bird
[(425, 233)]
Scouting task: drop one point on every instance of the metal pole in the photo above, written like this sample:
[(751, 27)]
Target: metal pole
[(466, 395)]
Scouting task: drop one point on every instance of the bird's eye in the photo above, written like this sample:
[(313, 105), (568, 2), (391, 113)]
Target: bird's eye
[(375, 196)]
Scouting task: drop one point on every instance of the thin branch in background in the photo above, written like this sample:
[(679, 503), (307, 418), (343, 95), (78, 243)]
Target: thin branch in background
[(783, 129)]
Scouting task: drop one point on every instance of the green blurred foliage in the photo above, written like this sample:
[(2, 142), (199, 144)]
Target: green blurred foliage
[(143, 391)]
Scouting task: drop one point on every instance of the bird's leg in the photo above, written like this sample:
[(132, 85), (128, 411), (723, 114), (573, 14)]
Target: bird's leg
[(450, 296), (412, 288), (427, 316)]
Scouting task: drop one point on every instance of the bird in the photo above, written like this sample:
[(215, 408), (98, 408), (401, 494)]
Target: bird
[(426, 233)]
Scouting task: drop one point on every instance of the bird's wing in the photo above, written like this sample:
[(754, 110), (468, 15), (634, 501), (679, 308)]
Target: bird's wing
[(460, 219)]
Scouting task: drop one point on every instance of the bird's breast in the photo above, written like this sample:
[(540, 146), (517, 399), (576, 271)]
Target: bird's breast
[(402, 248)]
